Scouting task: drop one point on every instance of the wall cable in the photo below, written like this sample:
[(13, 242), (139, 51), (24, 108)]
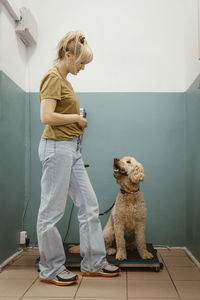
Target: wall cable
[(27, 148)]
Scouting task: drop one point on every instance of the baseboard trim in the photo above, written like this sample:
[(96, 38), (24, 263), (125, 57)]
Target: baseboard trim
[(195, 261), (10, 259)]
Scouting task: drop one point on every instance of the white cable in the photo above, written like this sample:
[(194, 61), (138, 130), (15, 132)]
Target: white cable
[(12, 9)]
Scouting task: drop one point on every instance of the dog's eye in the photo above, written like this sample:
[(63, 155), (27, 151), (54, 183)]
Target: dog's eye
[(128, 161)]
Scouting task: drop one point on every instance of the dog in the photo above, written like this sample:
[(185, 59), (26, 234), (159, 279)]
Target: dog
[(126, 223)]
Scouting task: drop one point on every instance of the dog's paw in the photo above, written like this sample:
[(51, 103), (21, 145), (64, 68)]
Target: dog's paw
[(74, 249), (121, 255), (146, 255), (111, 251)]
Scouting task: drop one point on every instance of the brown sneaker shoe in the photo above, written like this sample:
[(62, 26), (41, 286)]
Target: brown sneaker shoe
[(64, 278), (107, 271)]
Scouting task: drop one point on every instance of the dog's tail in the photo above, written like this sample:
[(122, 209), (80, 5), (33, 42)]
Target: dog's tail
[(74, 249)]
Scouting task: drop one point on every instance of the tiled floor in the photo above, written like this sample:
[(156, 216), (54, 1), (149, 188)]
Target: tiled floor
[(179, 279)]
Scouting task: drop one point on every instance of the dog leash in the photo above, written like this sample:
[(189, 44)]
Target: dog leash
[(123, 192), (106, 211)]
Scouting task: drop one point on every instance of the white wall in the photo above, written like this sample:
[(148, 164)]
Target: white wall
[(191, 41), (13, 53), (139, 45)]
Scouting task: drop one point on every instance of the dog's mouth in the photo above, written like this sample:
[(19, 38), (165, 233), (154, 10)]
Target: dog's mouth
[(120, 171)]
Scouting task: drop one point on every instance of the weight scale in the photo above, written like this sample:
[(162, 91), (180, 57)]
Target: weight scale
[(133, 259)]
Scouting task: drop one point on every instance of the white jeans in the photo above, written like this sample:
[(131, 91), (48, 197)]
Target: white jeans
[(63, 173)]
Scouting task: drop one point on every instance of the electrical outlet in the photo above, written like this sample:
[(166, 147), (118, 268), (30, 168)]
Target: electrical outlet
[(23, 237)]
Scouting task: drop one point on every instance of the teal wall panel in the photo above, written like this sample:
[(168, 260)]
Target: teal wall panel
[(193, 168), (148, 126), (12, 150)]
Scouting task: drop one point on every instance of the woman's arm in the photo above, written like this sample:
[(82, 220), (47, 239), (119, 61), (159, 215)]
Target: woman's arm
[(48, 115)]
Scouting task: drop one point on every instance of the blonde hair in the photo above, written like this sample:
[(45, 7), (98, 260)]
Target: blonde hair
[(75, 43)]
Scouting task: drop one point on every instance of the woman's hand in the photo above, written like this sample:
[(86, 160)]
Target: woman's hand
[(82, 122), (50, 117)]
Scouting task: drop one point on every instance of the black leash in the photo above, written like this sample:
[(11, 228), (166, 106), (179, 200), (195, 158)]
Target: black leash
[(106, 211), (123, 192)]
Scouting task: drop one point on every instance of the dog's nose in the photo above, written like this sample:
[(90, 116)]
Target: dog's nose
[(116, 160)]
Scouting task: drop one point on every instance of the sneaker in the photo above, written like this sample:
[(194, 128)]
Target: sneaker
[(64, 278), (107, 271)]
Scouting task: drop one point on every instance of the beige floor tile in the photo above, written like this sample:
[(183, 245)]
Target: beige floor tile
[(104, 298), (172, 252), (14, 288), (182, 261), (46, 298), (106, 287), (40, 289), (9, 298), (151, 288), (147, 274), (184, 273), (31, 251), (188, 289), (130, 298), (159, 257), (26, 260), (19, 272)]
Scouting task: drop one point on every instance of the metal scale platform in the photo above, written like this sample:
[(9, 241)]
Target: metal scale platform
[(133, 259)]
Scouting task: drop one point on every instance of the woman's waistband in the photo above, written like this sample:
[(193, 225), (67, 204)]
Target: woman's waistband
[(75, 139)]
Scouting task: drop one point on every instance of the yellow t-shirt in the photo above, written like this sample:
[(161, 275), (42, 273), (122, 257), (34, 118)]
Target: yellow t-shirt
[(54, 86)]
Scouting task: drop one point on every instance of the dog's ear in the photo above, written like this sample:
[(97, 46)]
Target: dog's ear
[(137, 174)]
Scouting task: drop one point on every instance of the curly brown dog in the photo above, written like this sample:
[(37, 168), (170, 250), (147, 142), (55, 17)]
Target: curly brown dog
[(127, 220), (126, 223)]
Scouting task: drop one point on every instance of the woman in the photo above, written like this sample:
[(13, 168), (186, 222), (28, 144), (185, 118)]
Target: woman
[(63, 171)]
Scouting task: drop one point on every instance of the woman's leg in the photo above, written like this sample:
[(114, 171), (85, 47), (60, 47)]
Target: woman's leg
[(92, 245), (56, 161)]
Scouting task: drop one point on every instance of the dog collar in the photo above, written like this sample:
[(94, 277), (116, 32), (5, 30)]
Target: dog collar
[(124, 192)]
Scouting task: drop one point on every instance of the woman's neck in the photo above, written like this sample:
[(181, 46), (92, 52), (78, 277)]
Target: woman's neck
[(62, 69)]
